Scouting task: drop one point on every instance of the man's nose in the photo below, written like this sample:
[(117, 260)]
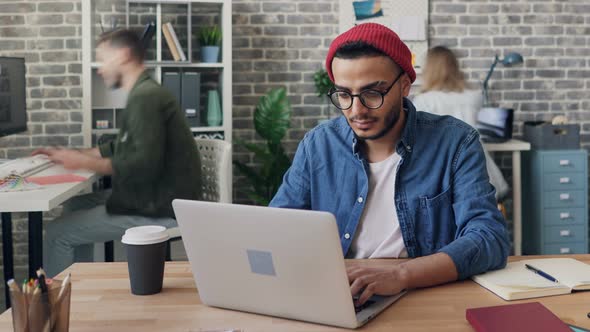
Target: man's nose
[(358, 107)]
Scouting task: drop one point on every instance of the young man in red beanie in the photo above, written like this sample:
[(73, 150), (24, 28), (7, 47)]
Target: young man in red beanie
[(401, 183)]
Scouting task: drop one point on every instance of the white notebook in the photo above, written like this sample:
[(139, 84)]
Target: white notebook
[(516, 282)]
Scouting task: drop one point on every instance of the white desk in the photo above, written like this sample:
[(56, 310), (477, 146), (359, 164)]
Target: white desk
[(35, 202), (515, 146)]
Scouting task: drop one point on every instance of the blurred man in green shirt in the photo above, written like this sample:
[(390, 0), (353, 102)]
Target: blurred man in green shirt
[(152, 161)]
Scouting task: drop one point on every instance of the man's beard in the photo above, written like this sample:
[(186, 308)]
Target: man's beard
[(390, 123)]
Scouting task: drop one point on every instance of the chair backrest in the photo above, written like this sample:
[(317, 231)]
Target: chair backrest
[(216, 169)]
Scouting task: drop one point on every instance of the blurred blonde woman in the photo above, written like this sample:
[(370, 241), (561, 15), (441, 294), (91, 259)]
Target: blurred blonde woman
[(444, 92)]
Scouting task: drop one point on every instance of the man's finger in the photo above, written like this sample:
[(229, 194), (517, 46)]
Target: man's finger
[(353, 273), (359, 283), (367, 293)]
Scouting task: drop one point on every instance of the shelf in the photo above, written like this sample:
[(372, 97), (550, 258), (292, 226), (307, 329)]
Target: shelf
[(193, 129), (166, 2), (206, 129), (106, 131), (183, 64)]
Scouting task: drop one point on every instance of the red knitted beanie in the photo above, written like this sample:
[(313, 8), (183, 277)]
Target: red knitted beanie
[(381, 38)]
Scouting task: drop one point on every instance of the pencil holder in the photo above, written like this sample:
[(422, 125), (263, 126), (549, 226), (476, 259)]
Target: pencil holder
[(42, 312)]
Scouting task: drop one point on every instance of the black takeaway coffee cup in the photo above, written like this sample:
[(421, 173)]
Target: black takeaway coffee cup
[(146, 254)]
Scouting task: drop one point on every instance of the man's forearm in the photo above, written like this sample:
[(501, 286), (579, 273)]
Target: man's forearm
[(99, 165), (92, 152), (429, 271)]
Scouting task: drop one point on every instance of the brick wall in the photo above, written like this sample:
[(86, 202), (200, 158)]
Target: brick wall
[(283, 42), (47, 34)]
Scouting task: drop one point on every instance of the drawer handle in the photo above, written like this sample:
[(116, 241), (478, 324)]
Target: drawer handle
[(564, 197), (565, 215), (565, 232), (564, 250), (564, 180), (564, 162)]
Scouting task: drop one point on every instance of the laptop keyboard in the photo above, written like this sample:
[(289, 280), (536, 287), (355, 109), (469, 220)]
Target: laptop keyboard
[(361, 307)]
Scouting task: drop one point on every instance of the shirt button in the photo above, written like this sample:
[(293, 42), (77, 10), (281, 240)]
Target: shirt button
[(409, 148), (347, 236), (360, 199)]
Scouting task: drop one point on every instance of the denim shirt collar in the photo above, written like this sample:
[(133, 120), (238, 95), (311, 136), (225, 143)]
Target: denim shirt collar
[(406, 142)]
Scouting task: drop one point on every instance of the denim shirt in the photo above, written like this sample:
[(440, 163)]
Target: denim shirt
[(443, 197)]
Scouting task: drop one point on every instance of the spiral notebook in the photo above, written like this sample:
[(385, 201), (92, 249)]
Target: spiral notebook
[(516, 282)]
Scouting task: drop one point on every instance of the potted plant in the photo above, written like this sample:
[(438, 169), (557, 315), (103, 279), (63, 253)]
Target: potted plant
[(272, 118), (210, 40), (323, 85)]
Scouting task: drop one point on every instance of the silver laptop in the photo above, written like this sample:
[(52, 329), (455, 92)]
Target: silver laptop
[(279, 262)]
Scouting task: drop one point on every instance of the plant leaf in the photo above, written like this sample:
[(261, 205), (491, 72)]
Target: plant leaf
[(272, 115)]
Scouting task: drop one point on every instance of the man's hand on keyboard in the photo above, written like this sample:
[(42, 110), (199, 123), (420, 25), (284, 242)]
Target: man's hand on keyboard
[(368, 281), (70, 159), (46, 151)]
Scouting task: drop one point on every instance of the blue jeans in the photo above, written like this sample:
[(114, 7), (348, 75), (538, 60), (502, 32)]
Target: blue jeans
[(85, 221)]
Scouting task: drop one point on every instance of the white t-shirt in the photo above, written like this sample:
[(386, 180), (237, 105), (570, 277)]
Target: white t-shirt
[(461, 105), (378, 234)]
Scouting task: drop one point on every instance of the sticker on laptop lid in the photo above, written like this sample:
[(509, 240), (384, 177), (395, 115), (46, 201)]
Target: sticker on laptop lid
[(261, 262)]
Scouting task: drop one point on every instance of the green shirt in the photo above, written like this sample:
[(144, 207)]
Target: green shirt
[(154, 156)]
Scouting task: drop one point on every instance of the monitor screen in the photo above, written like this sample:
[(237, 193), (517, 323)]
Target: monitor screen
[(13, 115)]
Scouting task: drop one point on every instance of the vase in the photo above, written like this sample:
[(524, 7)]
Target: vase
[(210, 53), (213, 109)]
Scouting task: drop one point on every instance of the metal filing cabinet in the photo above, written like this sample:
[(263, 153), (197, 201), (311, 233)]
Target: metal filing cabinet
[(555, 202)]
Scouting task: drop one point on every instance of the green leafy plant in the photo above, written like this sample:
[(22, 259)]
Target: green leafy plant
[(210, 36), (322, 82), (272, 119)]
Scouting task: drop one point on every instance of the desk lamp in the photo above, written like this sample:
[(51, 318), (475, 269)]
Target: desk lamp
[(509, 60)]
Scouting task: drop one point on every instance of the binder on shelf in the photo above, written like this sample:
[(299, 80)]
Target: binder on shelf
[(147, 34), (170, 42), (190, 97), (176, 42), (171, 81)]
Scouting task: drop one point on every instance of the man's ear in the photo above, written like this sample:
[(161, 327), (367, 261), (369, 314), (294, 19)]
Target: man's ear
[(406, 84), (124, 55)]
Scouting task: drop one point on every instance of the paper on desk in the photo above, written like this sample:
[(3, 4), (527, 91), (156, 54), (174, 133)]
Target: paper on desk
[(15, 182), (56, 179), (516, 276)]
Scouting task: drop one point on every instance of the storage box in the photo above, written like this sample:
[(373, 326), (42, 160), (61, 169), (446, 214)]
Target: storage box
[(545, 136)]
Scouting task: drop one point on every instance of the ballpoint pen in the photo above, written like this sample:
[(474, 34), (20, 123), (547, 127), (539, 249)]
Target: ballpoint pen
[(541, 273)]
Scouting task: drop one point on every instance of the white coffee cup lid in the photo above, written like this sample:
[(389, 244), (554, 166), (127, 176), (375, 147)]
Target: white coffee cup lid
[(143, 235)]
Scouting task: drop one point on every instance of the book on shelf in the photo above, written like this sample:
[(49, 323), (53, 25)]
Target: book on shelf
[(179, 49), (147, 34), (170, 42), (537, 278)]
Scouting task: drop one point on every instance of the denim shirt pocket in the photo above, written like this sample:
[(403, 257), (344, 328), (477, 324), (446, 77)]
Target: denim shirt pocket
[(435, 224)]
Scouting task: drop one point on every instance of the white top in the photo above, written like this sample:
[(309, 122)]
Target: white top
[(461, 105), (378, 234)]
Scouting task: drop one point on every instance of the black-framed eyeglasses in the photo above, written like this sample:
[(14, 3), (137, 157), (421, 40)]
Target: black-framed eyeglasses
[(370, 98)]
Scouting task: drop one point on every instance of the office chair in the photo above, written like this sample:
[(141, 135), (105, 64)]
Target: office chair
[(216, 178)]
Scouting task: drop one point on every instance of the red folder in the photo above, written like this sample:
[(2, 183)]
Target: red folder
[(56, 179), (515, 317)]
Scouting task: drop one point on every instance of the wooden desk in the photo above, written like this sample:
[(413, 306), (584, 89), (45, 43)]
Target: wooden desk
[(515, 146), (35, 202), (101, 301)]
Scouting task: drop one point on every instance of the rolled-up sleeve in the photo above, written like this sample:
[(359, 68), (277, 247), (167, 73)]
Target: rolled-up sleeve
[(107, 150), (481, 241)]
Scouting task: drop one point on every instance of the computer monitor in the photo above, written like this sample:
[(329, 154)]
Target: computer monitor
[(13, 115)]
